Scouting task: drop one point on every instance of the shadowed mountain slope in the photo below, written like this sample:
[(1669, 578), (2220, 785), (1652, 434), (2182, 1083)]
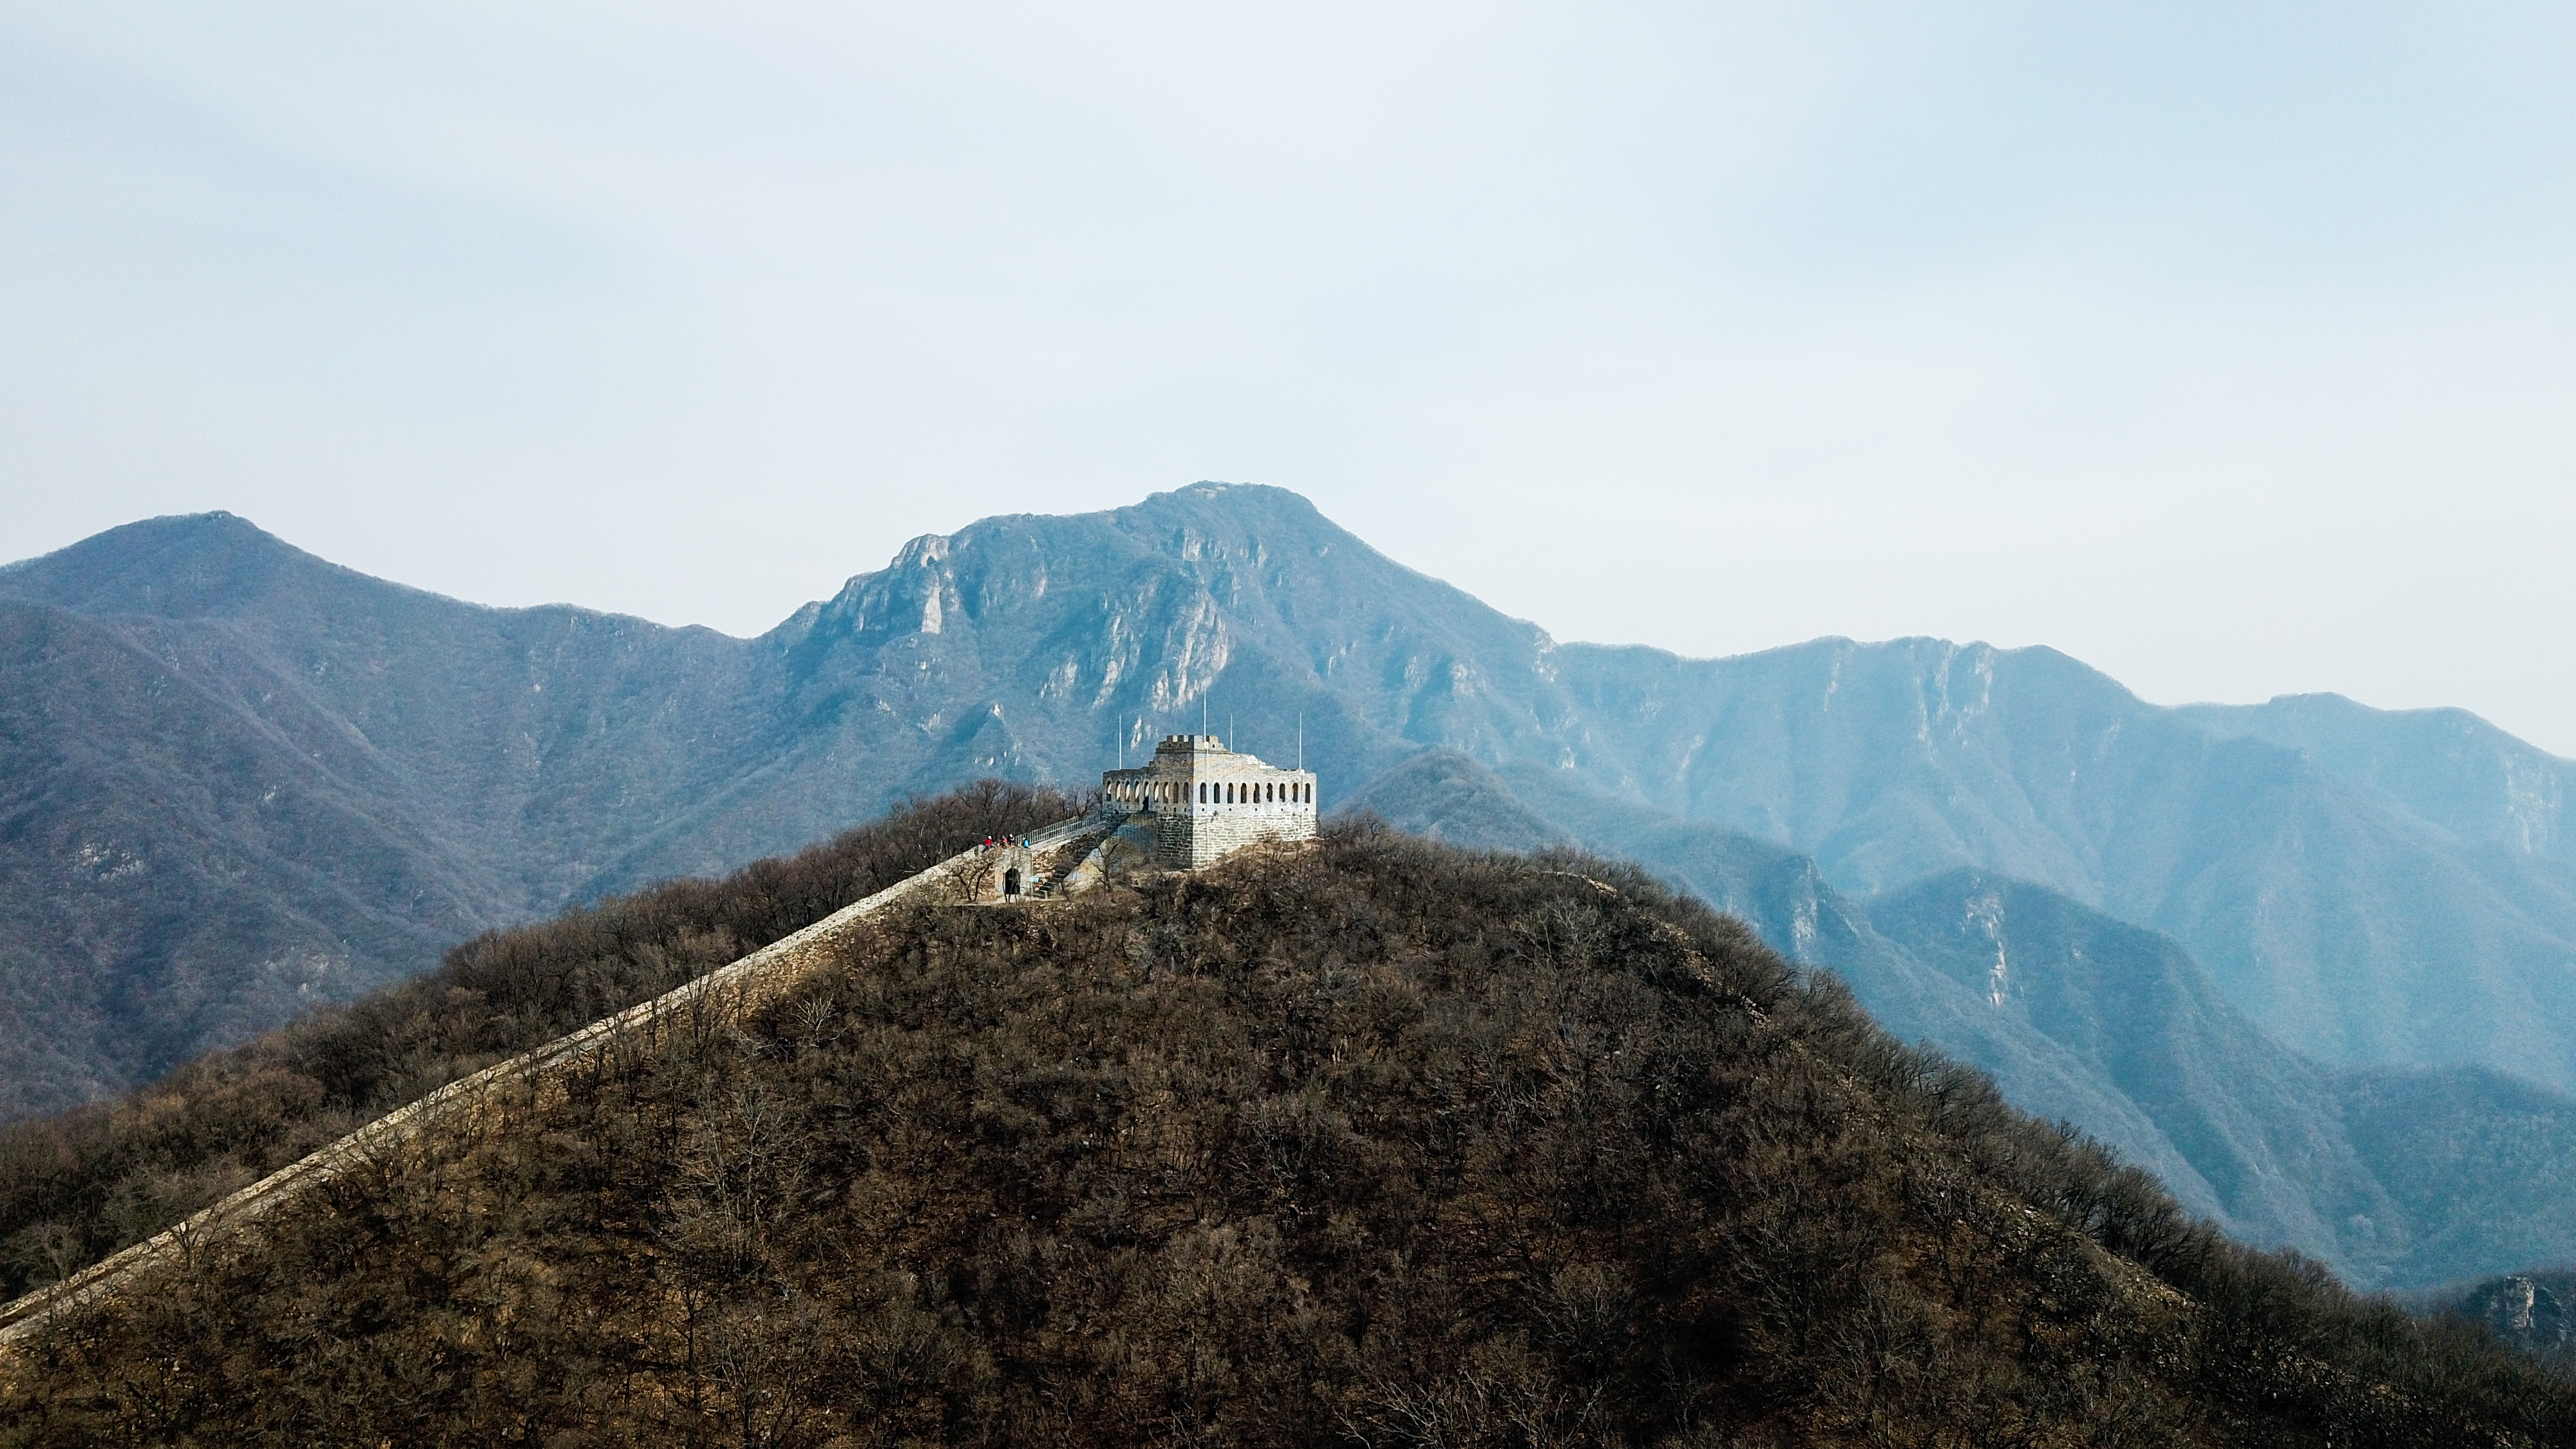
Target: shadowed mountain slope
[(2446, 767), (176, 870), (1443, 795), (2399, 1177)]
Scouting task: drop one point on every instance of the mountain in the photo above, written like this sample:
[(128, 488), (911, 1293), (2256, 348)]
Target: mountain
[(2395, 1177), (240, 782), (2342, 922), (2446, 767), (1443, 795), (176, 870), (1375, 1140), (2368, 889)]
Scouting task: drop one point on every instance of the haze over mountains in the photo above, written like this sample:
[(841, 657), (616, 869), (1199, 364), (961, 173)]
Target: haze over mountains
[(240, 779), (2392, 1175)]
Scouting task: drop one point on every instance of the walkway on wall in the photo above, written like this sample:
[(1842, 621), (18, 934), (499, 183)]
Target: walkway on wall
[(737, 987)]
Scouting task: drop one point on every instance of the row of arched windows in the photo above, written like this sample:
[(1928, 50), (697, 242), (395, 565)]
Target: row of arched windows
[(1266, 792), (1217, 792)]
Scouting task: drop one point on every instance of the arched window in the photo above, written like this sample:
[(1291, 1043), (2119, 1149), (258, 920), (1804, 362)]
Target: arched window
[(1010, 882)]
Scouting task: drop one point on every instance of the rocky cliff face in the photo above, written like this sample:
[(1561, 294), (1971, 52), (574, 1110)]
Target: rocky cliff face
[(2535, 1312)]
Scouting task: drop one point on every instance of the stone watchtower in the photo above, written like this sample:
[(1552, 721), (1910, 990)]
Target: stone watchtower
[(1207, 801)]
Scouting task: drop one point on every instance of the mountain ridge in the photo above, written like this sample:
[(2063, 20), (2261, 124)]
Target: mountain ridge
[(540, 756)]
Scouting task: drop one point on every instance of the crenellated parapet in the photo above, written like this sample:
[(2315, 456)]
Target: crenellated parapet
[(1205, 801)]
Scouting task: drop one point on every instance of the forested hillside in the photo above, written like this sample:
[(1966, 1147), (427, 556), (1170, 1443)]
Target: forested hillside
[(2395, 1177), (1375, 1141), (77, 1186)]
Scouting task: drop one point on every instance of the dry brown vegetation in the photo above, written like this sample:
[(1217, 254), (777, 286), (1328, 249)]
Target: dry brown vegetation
[(1376, 1142), (77, 1187)]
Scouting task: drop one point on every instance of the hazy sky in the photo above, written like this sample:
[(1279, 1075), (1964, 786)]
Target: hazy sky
[(2229, 348)]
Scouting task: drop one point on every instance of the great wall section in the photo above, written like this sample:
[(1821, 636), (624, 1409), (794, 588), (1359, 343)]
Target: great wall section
[(1195, 804)]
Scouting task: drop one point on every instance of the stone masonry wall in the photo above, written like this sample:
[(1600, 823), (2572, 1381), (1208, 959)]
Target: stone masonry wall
[(733, 990), (1190, 836)]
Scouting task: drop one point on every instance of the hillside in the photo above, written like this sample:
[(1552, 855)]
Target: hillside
[(77, 1186), (1375, 1141), (2394, 1177)]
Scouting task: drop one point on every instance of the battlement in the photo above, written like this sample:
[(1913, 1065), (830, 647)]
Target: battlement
[(1205, 801)]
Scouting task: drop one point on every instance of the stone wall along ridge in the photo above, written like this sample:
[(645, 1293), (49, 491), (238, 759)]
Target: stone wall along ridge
[(739, 986)]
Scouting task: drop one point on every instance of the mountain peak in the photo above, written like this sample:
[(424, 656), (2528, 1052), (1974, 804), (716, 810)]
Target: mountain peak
[(176, 566)]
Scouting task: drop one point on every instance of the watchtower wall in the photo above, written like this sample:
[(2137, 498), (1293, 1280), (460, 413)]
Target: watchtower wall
[(1207, 801)]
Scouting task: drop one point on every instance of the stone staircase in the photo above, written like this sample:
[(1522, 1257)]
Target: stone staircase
[(1063, 874)]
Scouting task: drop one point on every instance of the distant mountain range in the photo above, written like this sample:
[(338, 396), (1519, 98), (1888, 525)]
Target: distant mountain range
[(236, 780)]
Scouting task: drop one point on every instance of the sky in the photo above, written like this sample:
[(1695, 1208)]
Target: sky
[(2229, 348)]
